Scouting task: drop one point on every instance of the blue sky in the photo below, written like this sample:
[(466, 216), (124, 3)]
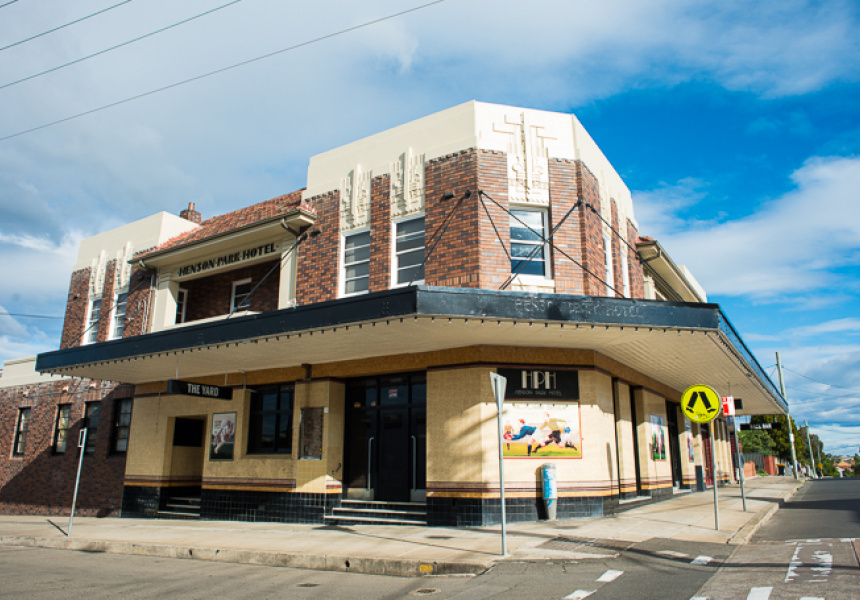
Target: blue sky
[(735, 125)]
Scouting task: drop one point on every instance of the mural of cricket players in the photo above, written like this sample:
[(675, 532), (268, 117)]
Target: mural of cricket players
[(542, 430)]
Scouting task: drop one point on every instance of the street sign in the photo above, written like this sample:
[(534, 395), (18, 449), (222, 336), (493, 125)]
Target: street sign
[(700, 403), (728, 406), (760, 426)]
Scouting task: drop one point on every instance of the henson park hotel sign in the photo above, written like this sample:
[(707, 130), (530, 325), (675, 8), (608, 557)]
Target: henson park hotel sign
[(228, 259), (541, 384)]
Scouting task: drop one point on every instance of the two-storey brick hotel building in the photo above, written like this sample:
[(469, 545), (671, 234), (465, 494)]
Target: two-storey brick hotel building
[(335, 345)]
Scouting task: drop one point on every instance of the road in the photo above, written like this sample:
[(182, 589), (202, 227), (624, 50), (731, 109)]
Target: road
[(808, 551)]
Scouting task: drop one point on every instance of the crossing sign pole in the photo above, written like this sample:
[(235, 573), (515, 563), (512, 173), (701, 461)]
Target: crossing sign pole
[(701, 404)]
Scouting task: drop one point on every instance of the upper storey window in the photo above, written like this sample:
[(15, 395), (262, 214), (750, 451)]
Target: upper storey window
[(118, 324), (409, 251), (528, 250), (240, 300), (356, 263), (92, 331)]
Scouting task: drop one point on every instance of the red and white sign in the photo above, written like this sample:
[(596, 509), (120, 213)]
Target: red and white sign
[(728, 406)]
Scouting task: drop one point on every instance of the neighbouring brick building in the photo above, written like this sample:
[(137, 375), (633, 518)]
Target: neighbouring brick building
[(334, 346)]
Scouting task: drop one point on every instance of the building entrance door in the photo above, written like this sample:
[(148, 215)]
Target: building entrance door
[(385, 445)]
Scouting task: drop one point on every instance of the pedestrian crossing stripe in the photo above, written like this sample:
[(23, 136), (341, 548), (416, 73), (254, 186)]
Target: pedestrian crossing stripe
[(700, 403)]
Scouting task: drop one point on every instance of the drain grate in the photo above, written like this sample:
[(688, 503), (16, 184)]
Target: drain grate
[(424, 592), (307, 585)]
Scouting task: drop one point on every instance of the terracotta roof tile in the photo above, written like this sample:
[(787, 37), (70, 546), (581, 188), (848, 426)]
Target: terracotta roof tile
[(233, 220)]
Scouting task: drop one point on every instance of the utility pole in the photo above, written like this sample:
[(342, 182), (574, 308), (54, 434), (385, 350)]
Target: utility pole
[(788, 419), (811, 453)]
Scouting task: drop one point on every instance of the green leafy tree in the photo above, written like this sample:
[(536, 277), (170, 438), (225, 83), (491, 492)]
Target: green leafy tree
[(782, 447), (756, 441), (856, 468), (827, 467)]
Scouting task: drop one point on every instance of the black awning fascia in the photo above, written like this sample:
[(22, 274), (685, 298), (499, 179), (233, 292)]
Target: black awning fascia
[(418, 301)]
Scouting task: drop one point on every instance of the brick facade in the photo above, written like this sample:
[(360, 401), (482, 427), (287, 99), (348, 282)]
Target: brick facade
[(319, 257), (77, 305), (42, 481), (634, 264), (380, 234), (591, 232), (210, 296)]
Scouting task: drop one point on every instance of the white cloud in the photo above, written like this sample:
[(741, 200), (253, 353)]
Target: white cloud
[(790, 245)]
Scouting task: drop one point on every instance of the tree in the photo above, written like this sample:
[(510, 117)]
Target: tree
[(856, 468), (756, 441), (782, 448)]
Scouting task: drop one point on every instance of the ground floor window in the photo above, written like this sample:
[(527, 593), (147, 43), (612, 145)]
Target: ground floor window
[(121, 424), (21, 431), (270, 430), (91, 424), (61, 429)]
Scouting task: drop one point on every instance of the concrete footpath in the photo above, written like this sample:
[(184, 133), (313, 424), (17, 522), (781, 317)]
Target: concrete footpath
[(411, 551)]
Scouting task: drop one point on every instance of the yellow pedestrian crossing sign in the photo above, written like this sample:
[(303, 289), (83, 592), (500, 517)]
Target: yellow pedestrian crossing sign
[(700, 403)]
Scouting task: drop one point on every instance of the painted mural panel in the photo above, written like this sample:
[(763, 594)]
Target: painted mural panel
[(658, 438), (542, 430), (223, 436)]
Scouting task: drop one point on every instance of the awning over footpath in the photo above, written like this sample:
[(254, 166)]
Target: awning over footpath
[(677, 344)]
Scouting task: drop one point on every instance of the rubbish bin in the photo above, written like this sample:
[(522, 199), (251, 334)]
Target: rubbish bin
[(550, 490)]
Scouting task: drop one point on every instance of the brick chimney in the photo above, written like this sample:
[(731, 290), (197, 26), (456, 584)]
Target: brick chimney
[(189, 214)]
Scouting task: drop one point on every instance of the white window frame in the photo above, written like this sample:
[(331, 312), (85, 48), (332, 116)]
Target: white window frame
[(609, 263), (182, 300), (343, 267), (91, 328), (395, 255), (526, 277), (233, 305), (115, 316)]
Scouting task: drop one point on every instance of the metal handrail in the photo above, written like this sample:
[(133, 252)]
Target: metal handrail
[(369, 462), (414, 462)]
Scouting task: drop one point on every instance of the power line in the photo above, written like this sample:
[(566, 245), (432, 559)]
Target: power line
[(10, 314), (38, 35), (224, 69), (126, 43), (8, 3), (817, 381)]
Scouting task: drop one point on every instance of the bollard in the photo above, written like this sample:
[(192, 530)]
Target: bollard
[(550, 490)]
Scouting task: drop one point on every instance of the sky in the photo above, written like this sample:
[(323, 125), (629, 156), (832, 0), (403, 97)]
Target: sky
[(735, 125)]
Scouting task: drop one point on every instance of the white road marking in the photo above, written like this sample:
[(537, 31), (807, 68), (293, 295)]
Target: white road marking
[(759, 593), (791, 573), (825, 560), (578, 595), (610, 576), (699, 598), (673, 554), (811, 598), (701, 560)]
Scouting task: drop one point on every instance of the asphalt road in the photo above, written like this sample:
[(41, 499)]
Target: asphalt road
[(807, 552)]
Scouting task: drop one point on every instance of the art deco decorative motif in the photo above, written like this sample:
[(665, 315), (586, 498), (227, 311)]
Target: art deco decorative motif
[(97, 275), (123, 267), (407, 184), (355, 200), (528, 166)]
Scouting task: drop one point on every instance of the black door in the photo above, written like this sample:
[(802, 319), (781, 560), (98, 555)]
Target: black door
[(385, 445), (674, 447)]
